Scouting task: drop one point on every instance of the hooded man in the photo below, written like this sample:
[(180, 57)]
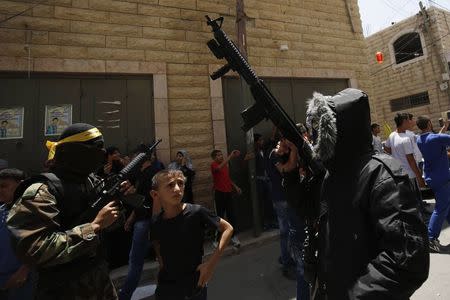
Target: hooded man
[(372, 243), (45, 226)]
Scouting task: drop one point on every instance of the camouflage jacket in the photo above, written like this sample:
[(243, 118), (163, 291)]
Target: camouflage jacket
[(67, 260)]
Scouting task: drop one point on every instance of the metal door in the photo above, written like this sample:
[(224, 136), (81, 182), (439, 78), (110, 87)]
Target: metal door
[(292, 94)]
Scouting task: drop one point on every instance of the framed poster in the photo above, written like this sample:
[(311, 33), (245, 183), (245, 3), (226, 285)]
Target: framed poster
[(11, 123), (57, 118)]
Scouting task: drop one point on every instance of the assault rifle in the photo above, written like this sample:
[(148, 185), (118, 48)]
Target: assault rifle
[(110, 188), (266, 106)]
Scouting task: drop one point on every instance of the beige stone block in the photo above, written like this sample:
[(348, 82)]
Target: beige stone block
[(217, 108), (186, 80), (159, 11), (188, 92), (171, 23), (190, 116), (12, 7), (216, 88), (179, 3), (132, 67), (119, 54), (190, 128), (214, 6), (68, 65), (130, 19), (181, 141), (76, 39), (202, 58), (79, 14), (160, 86), (163, 33), (74, 52), (12, 36), (13, 63), (107, 29), (220, 135), (161, 107), (112, 5), (166, 56), (162, 132), (202, 37), (39, 37), (80, 3), (116, 42), (146, 44), (153, 67), (37, 23), (187, 69), (185, 46), (188, 104), (44, 11)]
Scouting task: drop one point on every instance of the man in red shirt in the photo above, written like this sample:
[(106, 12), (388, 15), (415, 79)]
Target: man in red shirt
[(223, 187)]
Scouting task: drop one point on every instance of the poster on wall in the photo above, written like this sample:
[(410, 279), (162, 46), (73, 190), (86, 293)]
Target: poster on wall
[(11, 123), (57, 118)]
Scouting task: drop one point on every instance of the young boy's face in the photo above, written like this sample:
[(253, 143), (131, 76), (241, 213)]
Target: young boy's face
[(7, 189), (170, 190), (219, 157)]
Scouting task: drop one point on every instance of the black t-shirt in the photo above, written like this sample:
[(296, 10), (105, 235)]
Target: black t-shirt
[(181, 241)]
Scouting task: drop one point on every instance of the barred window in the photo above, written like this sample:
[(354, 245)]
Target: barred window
[(410, 101), (407, 47)]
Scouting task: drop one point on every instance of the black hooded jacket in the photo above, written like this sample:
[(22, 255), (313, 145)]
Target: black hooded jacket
[(373, 243)]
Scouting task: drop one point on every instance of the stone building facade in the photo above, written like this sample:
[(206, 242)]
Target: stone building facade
[(167, 39), (414, 75)]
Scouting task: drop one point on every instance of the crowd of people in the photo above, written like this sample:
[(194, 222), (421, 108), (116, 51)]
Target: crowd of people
[(369, 239)]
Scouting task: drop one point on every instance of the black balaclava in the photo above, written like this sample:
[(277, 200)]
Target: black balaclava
[(77, 159)]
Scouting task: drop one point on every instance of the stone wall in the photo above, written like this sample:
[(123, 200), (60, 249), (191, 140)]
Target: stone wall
[(391, 81), (167, 38)]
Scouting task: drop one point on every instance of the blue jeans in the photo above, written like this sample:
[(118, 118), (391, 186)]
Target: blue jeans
[(281, 210), (295, 245), (441, 210), (138, 250)]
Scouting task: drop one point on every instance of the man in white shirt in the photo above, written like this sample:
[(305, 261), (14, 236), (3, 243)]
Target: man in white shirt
[(401, 146)]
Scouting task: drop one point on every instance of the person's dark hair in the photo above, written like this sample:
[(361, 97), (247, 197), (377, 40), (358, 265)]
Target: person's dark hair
[(156, 180), (14, 174), (373, 126), (422, 122), (400, 118), (111, 149), (55, 118), (410, 116), (5, 121), (256, 137), (214, 153)]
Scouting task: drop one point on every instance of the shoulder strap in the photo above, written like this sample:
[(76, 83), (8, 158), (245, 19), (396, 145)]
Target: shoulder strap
[(54, 184)]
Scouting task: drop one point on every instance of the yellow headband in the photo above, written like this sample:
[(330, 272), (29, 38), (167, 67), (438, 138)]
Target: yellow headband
[(79, 137)]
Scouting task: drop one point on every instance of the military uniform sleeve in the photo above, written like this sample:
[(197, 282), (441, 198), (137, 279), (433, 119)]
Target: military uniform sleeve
[(402, 262), (35, 227)]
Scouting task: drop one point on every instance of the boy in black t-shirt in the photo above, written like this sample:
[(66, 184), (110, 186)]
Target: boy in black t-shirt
[(178, 236)]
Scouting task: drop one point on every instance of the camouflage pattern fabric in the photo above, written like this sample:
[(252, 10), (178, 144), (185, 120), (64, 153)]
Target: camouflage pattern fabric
[(41, 242)]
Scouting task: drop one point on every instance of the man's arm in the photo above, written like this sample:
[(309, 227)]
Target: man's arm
[(207, 268), (234, 153), (402, 262), (413, 164), (35, 227)]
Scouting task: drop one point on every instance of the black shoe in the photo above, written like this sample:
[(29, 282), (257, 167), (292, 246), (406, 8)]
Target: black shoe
[(435, 246)]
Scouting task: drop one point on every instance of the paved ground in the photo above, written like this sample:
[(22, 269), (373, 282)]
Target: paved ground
[(255, 274)]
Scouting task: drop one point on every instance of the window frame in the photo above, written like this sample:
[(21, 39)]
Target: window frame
[(392, 49)]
